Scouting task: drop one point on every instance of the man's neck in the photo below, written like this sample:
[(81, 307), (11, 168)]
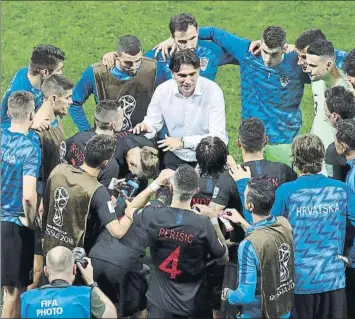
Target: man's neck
[(334, 77), (257, 218), (90, 170), (46, 111), (105, 132), (175, 203), (52, 279), (35, 80), (249, 157), (18, 128)]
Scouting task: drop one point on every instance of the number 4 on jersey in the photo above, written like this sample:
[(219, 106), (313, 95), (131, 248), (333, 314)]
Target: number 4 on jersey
[(172, 258)]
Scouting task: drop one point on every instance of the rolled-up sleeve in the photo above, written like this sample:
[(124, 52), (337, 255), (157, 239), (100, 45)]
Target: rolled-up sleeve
[(154, 118)]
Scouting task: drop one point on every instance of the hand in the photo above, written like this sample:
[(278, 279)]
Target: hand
[(88, 273), (234, 216), (255, 47), (239, 172), (109, 59), (40, 125), (204, 210), (290, 48), (141, 127), (171, 143), (224, 295), (165, 176), (164, 48)]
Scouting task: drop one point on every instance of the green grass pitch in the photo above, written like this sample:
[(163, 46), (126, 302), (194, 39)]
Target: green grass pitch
[(85, 30)]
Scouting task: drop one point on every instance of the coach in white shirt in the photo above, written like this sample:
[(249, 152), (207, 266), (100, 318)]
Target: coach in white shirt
[(191, 106)]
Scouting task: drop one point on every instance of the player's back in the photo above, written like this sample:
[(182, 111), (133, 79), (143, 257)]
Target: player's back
[(316, 208), (180, 243)]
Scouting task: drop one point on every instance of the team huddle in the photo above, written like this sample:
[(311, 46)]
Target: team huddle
[(144, 214)]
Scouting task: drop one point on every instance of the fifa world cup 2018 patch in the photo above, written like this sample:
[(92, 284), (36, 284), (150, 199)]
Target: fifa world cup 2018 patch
[(284, 80), (203, 63)]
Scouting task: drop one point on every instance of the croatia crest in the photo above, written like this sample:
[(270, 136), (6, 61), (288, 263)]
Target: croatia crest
[(284, 80), (203, 63)]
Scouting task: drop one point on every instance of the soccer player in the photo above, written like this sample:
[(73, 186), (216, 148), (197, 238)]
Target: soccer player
[(265, 257), (349, 69), (20, 164), (339, 105), (272, 85), (180, 241), (323, 64), (118, 263), (45, 60), (76, 206), (57, 93), (191, 106), (317, 208), (184, 35), (108, 120), (130, 82)]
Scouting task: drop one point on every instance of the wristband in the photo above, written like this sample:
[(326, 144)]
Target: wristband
[(154, 186), (214, 220), (93, 285)]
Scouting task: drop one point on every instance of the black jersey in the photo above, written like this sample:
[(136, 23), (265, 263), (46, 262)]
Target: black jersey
[(336, 165), (75, 156), (180, 243)]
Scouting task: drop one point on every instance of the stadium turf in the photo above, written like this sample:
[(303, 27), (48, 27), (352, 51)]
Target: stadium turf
[(85, 30)]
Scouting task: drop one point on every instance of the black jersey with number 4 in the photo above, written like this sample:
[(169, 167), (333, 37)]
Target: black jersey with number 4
[(180, 243)]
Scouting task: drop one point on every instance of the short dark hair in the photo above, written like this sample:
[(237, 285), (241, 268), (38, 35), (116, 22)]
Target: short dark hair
[(340, 101), (261, 193), (99, 149), (274, 37), (349, 64), (45, 56), (308, 153), (56, 84), (185, 182), (252, 134), (346, 133), (181, 57), (20, 104), (322, 48), (181, 22), (129, 44), (307, 37), (211, 155), (104, 113)]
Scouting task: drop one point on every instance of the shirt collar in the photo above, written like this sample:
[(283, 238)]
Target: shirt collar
[(198, 88), (261, 224)]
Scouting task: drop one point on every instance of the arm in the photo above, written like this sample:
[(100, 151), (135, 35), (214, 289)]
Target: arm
[(248, 264), (102, 205), (217, 121), (216, 248), (81, 92), (241, 186), (234, 45), (220, 236), (154, 118), (29, 189)]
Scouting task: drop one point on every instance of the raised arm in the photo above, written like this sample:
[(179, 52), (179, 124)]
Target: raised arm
[(234, 45), (81, 92)]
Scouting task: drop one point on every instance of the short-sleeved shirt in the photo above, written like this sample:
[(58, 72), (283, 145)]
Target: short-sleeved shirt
[(276, 173), (180, 242), (20, 156), (75, 155), (100, 214)]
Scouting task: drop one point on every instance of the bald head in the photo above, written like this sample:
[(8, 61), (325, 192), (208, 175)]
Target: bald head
[(59, 260)]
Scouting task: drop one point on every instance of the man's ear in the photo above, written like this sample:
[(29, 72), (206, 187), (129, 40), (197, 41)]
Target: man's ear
[(45, 72), (329, 64), (266, 140), (32, 116), (336, 117), (239, 144), (45, 269), (52, 99), (285, 47), (250, 207)]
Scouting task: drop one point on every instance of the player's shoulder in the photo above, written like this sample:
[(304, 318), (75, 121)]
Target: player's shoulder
[(20, 80)]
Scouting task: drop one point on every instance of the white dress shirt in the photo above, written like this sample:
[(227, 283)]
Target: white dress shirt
[(193, 118)]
